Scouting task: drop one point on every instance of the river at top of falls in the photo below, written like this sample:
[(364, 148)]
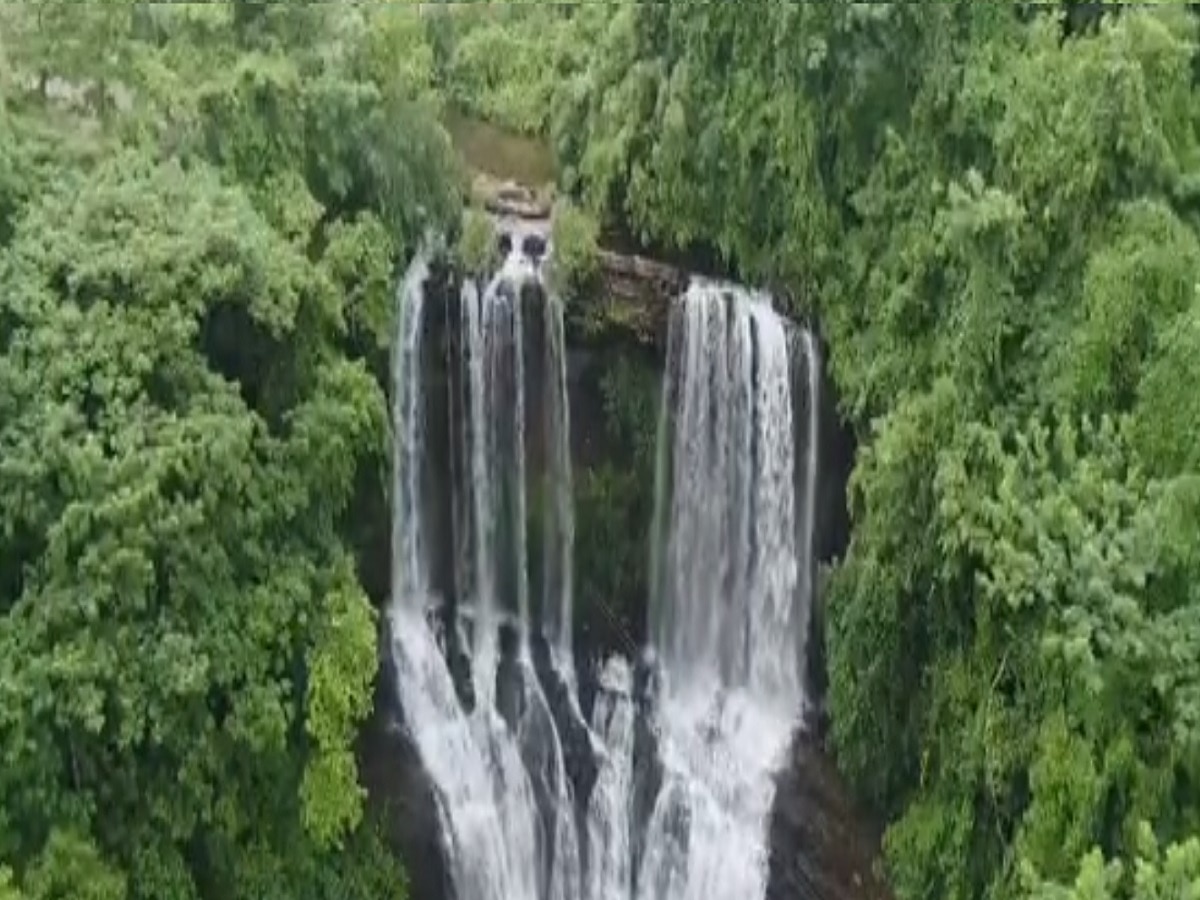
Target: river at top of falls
[(484, 674)]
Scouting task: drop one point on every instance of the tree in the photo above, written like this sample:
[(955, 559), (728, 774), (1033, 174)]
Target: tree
[(993, 217), (197, 302)]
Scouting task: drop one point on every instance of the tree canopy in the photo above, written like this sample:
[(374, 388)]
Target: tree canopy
[(991, 210), (201, 212)]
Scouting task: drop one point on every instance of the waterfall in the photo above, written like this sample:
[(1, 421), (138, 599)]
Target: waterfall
[(733, 586), (559, 513), (812, 446), (675, 805), (490, 745)]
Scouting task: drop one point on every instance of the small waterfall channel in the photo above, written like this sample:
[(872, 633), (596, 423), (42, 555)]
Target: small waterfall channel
[(666, 792)]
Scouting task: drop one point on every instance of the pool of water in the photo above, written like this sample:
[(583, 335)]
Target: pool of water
[(499, 153)]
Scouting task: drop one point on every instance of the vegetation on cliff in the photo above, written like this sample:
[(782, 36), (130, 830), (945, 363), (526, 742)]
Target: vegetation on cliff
[(574, 263), (614, 509), (476, 252), (992, 209), (201, 210)]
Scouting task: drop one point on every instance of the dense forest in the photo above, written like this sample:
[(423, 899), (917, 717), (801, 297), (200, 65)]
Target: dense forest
[(992, 210), (201, 211)]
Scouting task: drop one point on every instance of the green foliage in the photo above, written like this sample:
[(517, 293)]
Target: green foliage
[(574, 241), (1167, 410), (8, 891), (994, 218), (614, 508), (476, 250), (71, 869), (358, 259), (198, 254), (340, 672), (505, 62), (1155, 873)]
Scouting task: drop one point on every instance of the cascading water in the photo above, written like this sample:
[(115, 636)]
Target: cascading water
[(558, 537), (504, 801), (609, 825), (484, 670), (733, 583)]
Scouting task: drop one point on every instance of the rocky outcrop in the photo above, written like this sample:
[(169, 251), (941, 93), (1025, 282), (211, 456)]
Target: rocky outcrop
[(632, 301), (820, 847), (506, 198), (400, 795), (632, 295)]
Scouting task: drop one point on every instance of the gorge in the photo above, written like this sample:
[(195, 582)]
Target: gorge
[(559, 765)]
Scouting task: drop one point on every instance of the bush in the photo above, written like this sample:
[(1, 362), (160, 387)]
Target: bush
[(476, 249), (575, 250)]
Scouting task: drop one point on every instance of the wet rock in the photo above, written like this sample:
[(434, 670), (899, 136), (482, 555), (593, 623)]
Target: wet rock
[(820, 846), (647, 763), (400, 795), (508, 198), (534, 246), (538, 755), (504, 243), (579, 757), (634, 299), (510, 682)]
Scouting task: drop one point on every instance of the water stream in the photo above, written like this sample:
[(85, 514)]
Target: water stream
[(734, 590), (609, 823)]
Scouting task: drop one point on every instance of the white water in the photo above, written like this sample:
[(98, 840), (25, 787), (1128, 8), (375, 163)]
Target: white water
[(484, 799), (488, 777), (609, 828), (812, 446), (734, 588), (559, 535)]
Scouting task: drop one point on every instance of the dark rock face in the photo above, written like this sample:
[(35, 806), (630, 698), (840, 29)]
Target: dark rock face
[(534, 246), (831, 531), (819, 846), (647, 767), (399, 794), (510, 682), (578, 756)]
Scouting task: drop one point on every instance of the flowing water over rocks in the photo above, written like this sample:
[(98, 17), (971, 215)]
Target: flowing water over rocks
[(733, 576), (478, 716), (667, 792), (609, 823)]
